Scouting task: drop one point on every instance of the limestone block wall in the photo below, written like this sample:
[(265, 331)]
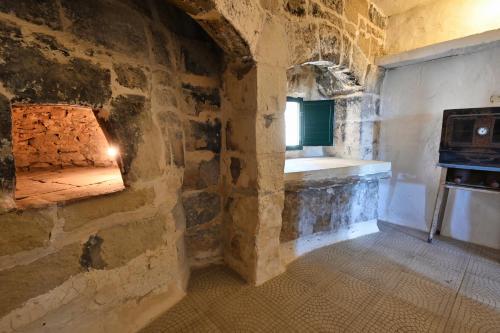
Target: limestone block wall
[(108, 263), (56, 136), (311, 209), (350, 33)]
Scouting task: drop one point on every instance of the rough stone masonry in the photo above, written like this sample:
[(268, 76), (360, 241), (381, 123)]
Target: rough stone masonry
[(56, 136), (192, 92)]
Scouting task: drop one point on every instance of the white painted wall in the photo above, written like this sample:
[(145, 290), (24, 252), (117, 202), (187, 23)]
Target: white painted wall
[(438, 21), (413, 100)]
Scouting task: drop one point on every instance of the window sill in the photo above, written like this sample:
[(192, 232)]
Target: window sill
[(329, 171)]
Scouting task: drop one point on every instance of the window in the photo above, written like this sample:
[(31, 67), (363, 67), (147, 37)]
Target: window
[(293, 123), (308, 123)]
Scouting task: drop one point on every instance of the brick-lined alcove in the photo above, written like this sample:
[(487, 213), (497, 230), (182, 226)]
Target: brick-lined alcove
[(61, 154)]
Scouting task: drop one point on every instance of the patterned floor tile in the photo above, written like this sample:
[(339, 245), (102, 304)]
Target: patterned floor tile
[(350, 293), (425, 294), (312, 274), (391, 314), (400, 242), (178, 318), (246, 312), (402, 259), (322, 314), (284, 292), (469, 316), (445, 257), (384, 275), (435, 272), (484, 267), (481, 289), (389, 282), (206, 287)]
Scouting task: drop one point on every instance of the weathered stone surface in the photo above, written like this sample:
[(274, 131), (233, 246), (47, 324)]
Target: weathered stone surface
[(171, 127), (78, 214), (204, 136), (376, 17), (38, 12), (125, 125), (201, 174), (296, 7), (33, 78), (337, 5), (194, 7), (201, 207), (346, 51), (24, 282), (331, 43), (173, 134), (109, 24), (51, 43), (359, 65), (227, 37), (23, 231), (202, 96), (139, 5), (201, 57), (326, 209), (130, 76), (317, 82), (307, 51), (318, 11), (7, 167), (204, 241), (91, 255), (161, 46), (235, 169), (122, 243), (353, 8)]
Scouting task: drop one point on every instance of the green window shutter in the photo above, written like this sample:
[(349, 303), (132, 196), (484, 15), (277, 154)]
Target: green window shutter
[(318, 123)]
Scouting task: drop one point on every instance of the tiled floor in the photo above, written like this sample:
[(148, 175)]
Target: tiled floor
[(392, 281), (41, 188)]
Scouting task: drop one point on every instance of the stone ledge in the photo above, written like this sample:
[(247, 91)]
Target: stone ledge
[(328, 171), (460, 46)]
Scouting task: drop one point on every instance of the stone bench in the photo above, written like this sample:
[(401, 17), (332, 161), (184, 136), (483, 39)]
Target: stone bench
[(328, 200)]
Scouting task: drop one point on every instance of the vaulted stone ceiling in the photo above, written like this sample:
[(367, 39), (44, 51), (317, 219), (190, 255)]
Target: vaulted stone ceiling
[(392, 7)]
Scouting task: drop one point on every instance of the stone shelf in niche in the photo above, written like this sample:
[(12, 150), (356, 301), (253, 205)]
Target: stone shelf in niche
[(327, 171)]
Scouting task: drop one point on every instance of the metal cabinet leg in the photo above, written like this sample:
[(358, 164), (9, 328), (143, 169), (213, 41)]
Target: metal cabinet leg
[(440, 207)]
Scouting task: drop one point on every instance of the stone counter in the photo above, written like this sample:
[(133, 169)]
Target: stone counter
[(326, 196)]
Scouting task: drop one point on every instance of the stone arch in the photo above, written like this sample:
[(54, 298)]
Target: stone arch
[(251, 194)]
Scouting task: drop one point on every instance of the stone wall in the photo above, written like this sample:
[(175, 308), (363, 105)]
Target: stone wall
[(85, 264), (311, 209), (114, 262), (350, 33), (56, 136)]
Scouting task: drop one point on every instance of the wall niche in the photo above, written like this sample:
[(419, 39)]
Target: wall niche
[(61, 154)]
